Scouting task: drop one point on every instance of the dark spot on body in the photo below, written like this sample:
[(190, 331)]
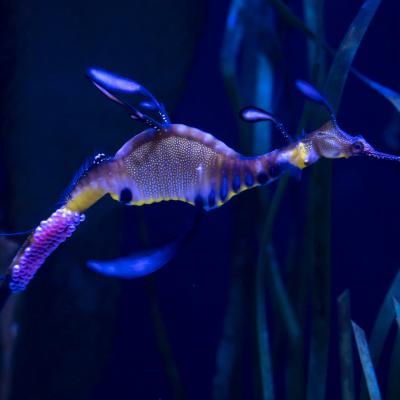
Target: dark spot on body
[(236, 183), (125, 196), (262, 178), (224, 188), (248, 179)]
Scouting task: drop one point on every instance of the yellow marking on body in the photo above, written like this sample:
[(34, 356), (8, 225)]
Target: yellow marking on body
[(299, 156), (231, 194), (84, 199), (159, 200)]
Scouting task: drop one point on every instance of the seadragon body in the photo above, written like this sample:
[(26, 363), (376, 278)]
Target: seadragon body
[(173, 162)]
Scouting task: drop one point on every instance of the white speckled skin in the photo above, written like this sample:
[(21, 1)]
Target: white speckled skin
[(184, 163), (176, 163)]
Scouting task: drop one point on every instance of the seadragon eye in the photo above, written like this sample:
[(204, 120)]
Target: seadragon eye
[(357, 147)]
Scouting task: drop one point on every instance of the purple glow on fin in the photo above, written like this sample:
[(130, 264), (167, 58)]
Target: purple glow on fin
[(255, 114), (112, 81), (310, 91), (137, 264), (131, 95), (148, 105)]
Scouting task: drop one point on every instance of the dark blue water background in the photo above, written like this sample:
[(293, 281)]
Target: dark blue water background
[(193, 290)]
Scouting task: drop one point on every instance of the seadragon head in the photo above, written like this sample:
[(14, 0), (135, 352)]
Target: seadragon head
[(328, 141)]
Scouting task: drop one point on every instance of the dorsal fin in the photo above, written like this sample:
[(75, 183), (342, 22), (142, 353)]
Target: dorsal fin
[(126, 92)]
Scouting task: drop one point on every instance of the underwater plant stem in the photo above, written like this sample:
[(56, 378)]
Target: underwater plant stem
[(396, 307), (298, 24), (267, 259), (160, 331), (230, 348), (313, 15), (384, 320), (320, 203), (319, 237), (381, 327), (276, 201), (261, 87), (366, 363), (171, 368), (268, 269), (233, 36), (343, 60), (9, 332), (264, 352), (393, 383), (285, 307), (345, 346)]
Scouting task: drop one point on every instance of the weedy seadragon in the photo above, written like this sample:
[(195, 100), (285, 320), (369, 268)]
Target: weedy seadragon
[(173, 162)]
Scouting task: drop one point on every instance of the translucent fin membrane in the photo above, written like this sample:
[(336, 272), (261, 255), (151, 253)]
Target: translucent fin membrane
[(138, 264), (144, 263), (43, 241), (125, 92)]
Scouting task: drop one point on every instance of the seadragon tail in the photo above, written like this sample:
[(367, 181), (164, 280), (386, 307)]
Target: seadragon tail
[(39, 245)]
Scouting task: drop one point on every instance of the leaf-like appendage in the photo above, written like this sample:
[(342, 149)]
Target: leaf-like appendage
[(344, 57), (130, 94), (137, 264), (255, 114), (366, 363)]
